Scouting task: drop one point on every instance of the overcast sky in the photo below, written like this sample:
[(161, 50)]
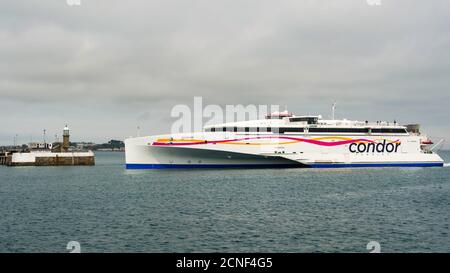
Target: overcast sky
[(107, 66)]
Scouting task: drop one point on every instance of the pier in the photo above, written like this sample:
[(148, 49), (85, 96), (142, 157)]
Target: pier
[(47, 154), (5, 158), (43, 158), (47, 159)]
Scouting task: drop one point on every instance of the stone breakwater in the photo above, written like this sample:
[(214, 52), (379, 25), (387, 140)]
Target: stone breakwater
[(48, 159)]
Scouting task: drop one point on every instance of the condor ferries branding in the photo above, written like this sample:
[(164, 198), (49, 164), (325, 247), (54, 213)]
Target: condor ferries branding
[(374, 147), (285, 140)]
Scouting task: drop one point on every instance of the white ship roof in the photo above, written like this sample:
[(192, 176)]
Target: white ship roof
[(306, 121)]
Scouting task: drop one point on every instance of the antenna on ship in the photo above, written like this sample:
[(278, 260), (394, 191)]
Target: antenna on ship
[(333, 109), (138, 131)]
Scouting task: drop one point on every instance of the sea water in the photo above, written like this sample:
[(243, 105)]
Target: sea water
[(106, 208)]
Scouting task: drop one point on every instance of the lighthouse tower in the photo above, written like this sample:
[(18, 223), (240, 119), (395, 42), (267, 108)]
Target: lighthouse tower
[(66, 143)]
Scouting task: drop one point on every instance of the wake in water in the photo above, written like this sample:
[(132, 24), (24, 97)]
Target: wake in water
[(446, 164)]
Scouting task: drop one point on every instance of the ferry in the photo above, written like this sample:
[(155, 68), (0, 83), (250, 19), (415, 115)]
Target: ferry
[(285, 140)]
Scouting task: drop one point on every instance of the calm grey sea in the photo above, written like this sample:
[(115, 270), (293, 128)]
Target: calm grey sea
[(109, 209)]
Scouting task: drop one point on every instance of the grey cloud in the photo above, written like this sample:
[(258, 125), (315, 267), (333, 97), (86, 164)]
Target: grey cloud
[(120, 59)]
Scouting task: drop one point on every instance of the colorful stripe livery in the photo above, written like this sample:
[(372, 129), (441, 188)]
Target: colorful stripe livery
[(238, 141)]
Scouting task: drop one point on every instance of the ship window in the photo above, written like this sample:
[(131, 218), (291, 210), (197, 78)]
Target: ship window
[(389, 130), (275, 117), (247, 129), (213, 129), (283, 130), (263, 129), (297, 130), (338, 130), (309, 120)]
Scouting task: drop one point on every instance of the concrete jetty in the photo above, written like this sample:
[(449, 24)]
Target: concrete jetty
[(50, 155), (5, 158), (43, 158)]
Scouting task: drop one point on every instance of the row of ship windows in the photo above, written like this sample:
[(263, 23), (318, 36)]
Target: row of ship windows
[(282, 130)]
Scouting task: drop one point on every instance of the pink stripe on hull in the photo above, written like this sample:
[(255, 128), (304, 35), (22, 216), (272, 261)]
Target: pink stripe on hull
[(312, 141)]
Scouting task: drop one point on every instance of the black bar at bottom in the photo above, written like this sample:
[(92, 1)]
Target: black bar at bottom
[(221, 262)]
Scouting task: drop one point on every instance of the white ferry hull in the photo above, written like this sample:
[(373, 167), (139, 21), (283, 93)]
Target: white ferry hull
[(240, 150)]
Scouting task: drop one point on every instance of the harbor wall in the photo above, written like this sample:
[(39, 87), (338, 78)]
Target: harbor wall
[(5, 158), (23, 157), (52, 159), (65, 161)]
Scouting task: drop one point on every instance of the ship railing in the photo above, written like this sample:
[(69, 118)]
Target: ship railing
[(438, 146), (435, 148)]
